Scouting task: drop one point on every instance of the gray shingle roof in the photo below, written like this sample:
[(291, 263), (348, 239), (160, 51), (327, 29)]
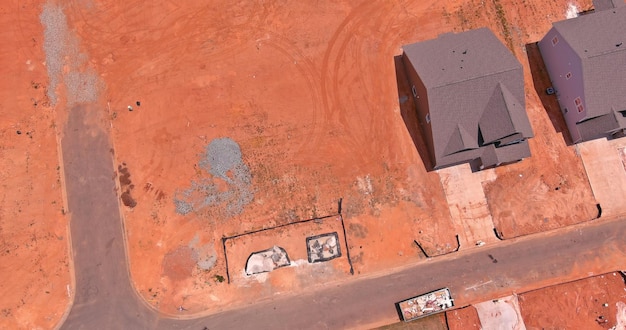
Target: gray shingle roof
[(455, 57), (599, 39), (606, 4), (475, 87)]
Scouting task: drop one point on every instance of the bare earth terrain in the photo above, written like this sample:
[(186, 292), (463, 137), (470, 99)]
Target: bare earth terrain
[(315, 115), (240, 116), (34, 240), (595, 303)]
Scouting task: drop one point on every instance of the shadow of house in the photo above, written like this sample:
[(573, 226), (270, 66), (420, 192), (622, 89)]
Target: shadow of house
[(585, 58), (408, 113), (468, 91)]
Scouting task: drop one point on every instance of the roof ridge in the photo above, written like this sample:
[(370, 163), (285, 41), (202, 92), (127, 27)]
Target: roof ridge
[(477, 77)]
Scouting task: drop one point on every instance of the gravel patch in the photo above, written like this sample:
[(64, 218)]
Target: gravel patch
[(223, 161), (61, 49)]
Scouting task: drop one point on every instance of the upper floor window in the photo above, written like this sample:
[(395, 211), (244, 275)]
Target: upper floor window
[(428, 118), (414, 90), (579, 104), (555, 40), (568, 75)]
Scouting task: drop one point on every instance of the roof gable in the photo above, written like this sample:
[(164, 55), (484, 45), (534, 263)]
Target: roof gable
[(595, 34), (504, 115), (460, 140)]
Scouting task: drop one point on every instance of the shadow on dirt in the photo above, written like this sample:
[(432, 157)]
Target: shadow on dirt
[(541, 81), (409, 114), (428, 255)]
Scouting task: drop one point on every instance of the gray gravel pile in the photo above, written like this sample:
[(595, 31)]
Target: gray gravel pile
[(222, 155), (223, 160), (82, 87), (62, 49), (55, 36), (206, 256)]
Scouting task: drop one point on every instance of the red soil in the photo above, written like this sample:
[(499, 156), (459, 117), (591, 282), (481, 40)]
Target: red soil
[(585, 304), (33, 228)]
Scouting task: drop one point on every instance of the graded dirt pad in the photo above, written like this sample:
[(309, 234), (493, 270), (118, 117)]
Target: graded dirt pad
[(33, 228), (592, 303), (501, 313), (463, 319)]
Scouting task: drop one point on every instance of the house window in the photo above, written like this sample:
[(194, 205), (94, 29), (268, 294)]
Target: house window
[(555, 40), (414, 91), (579, 104), (428, 118), (568, 75)]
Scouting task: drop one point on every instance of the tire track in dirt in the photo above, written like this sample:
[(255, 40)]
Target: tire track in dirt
[(256, 17), (311, 134), (312, 78), (348, 45), (237, 33), (328, 80), (20, 24), (128, 28)]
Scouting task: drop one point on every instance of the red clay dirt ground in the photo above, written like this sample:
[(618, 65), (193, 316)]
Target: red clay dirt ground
[(308, 94), (463, 319), (33, 228), (307, 91), (593, 303)]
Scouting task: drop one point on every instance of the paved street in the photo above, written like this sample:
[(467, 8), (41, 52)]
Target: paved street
[(104, 298)]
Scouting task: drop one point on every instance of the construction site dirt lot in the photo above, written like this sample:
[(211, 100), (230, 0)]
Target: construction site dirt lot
[(231, 117), (302, 101)]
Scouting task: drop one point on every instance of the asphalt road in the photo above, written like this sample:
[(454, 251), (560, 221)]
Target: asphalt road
[(105, 299)]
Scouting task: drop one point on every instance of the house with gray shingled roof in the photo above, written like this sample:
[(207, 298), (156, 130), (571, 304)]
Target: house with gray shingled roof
[(469, 94), (586, 60)]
